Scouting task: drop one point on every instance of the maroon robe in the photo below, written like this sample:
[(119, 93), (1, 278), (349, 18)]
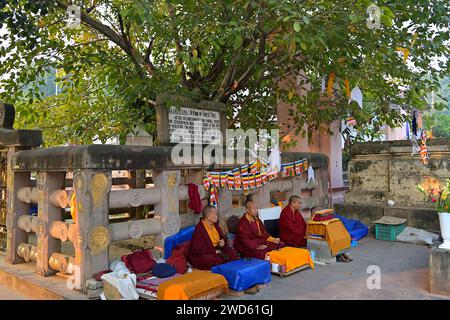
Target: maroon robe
[(202, 254), (292, 227), (247, 239)]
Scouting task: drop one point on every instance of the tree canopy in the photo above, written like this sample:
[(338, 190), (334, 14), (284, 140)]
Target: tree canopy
[(126, 52)]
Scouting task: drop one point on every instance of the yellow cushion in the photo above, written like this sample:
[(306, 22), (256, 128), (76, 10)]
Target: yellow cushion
[(325, 211), (191, 285), (291, 257)]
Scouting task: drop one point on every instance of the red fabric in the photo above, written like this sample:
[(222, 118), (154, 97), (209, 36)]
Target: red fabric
[(319, 217), (195, 202), (98, 276), (140, 261), (178, 258), (202, 255), (247, 239), (292, 227)]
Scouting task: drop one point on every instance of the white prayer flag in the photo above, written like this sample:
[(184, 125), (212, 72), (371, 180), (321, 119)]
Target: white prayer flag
[(311, 174), (274, 160), (356, 95)]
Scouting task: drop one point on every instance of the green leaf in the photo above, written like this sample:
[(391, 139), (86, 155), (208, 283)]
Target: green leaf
[(296, 26)]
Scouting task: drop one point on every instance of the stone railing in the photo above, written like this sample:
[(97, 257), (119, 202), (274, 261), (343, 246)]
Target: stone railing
[(91, 232)]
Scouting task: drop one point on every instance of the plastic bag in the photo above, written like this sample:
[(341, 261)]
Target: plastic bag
[(119, 267), (417, 236)]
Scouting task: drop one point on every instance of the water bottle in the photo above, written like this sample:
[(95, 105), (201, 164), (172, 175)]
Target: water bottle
[(312, 253)]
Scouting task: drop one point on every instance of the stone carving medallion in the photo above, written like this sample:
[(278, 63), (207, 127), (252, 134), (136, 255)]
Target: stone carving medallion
[(135, 230), (40, 181), (99, 239), (99, 188), (79, 183), (80, 240), (40, 228), (171, 225), (135, 199)]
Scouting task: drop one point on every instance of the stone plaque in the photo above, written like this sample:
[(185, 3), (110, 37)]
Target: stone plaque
[(203, 125), (181, 119)]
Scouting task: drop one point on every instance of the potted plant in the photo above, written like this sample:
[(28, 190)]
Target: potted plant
[(437, 192)]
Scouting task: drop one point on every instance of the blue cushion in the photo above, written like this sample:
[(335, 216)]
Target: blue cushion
[(243, 274), (355, 228), (176, 239), (163, 270)]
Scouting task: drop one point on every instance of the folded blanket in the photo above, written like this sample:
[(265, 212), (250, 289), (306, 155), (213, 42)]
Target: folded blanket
[(151, 284), (191, 286), (291, 257)]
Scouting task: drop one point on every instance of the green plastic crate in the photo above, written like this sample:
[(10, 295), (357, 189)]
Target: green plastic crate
[(388, 232)]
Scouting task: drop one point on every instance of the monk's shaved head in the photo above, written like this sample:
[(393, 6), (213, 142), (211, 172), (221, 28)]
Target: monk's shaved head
[(248, 203), (295, 202), (294, 199), (251, 208), (207, 210)]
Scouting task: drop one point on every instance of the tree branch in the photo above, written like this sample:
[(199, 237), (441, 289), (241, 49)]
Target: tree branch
[(100, 27)]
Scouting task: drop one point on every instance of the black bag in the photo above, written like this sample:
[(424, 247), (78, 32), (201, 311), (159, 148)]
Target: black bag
[(232, 224), (272, 227)]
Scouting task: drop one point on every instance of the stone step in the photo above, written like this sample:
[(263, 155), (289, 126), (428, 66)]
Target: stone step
[(22, 279)]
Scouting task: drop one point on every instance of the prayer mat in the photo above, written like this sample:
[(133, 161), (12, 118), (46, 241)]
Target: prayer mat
[(291, 257)]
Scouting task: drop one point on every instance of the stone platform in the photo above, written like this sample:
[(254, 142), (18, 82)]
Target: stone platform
[(439, 271), (22, 278)]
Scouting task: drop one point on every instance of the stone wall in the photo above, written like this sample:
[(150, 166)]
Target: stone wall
[(382, 171)]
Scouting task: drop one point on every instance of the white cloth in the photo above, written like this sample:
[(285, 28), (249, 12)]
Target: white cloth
[(311, 174), (356, 95), (274, 160), (323, 84), (125, 285), (119, 267)]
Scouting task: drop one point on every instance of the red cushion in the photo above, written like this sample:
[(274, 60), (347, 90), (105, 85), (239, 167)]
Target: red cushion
[(140, 261), (178, 258)]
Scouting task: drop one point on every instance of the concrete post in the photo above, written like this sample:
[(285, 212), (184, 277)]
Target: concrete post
[(320, 192), (262, 196), (224, 205), (46, 183), (15, 208), (92, 234), (169, 207)]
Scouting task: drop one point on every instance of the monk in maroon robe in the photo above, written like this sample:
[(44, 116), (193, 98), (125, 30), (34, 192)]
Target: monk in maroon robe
[(209, 245), (252, 239), (291, 224)]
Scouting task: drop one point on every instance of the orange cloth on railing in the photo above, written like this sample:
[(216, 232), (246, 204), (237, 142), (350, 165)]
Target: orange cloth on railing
[(191, 285), (73, 207), (334, 231), (291, 257)]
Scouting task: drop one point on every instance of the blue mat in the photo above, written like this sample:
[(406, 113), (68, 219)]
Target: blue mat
[(243, 274), (176, 239), (356, 228)]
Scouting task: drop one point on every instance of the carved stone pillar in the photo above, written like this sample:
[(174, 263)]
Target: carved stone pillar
[(15, 208), (168, 208), (46, 183), (92, 236)]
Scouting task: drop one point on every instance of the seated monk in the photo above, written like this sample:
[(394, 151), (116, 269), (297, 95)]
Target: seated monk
[(252, 239), (291, 224), (208, 245)]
